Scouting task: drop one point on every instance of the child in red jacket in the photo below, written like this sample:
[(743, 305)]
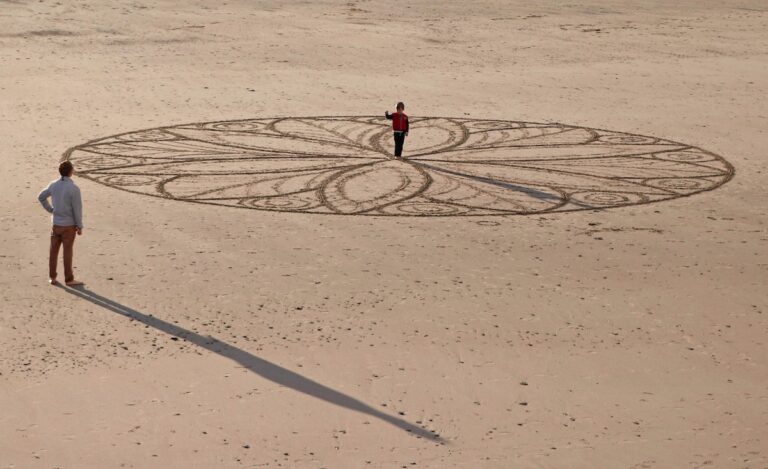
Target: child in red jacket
[(399, 126)]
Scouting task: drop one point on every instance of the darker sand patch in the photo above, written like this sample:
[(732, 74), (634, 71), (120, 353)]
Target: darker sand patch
[(42, 33)]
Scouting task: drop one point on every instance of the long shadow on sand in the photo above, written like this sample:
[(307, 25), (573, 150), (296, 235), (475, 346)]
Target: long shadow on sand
[(261, 367)]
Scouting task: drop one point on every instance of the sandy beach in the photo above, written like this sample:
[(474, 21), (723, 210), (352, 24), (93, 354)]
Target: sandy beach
[(568, 270)]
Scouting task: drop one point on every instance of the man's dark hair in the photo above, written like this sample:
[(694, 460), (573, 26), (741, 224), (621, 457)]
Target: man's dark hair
[(400, 105), (66, 168)]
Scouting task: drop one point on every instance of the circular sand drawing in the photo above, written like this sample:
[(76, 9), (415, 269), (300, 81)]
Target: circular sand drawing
[(344, 165)]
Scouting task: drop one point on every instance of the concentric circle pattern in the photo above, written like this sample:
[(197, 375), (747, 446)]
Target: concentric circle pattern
[(344, 165)]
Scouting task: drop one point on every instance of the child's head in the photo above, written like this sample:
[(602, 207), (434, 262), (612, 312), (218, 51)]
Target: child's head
[(400, 106)]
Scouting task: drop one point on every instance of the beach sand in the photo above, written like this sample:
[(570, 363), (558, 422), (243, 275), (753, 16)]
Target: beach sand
[(209, 336)]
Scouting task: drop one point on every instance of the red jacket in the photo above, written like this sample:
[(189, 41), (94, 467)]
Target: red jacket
[(399, 121)]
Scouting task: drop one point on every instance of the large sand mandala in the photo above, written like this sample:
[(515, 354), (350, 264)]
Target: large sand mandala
[(344, 165)]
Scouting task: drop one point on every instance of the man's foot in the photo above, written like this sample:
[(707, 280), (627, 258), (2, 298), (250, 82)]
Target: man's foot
[(75, 283), (53, 281)]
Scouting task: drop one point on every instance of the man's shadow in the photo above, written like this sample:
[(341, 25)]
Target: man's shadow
[(261, 367)]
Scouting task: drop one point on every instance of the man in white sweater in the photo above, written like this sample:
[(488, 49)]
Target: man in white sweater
[(67, 210)]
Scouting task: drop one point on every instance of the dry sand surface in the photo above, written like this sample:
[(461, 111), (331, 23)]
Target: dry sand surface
[(211, 336)]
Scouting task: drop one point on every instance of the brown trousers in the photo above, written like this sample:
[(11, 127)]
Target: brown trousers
[(62, 235)]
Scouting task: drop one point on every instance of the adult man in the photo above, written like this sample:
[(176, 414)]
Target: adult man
[(399, 126), (67, 213)]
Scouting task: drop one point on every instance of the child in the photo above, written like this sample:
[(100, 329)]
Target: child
[(399, 126)]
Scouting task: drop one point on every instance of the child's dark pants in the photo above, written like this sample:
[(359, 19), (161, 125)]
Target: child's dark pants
[(399, 140)]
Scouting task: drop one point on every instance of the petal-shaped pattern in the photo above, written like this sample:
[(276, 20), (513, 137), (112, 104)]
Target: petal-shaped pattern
[(684, 186), (309, 130), (245, 125), (626, 139), (538, 137), (141, 136), (370, 187), (478, 192), (562, 152), (520, 136), (424, 207), (241, 166), (625, 167), (277, 143), (164, 149), (88, 160), (240, 186), (480, 125), (523, 176), (355, 132), (299, 202), (435, 135), (603, 199), (133, 182)]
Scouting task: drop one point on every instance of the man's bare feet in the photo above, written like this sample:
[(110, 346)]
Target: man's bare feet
[(75, 283), (53, 281)]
